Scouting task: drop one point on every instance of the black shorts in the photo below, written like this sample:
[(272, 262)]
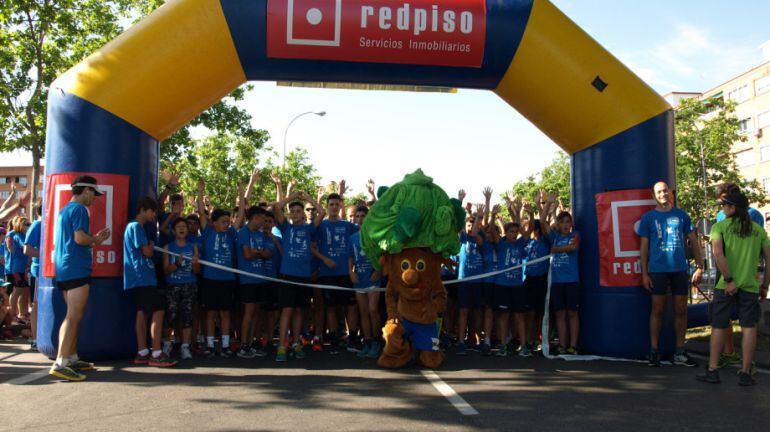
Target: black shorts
[(338, 297), (72, 283), (676, 282), (511, 298), (32, 288), (537, 289), (470, 295), (251, 293), (17, 279), (565, 296), (723, 305), (149, 299), (291, 296), (217, 295), (451, 289), (269, 295)]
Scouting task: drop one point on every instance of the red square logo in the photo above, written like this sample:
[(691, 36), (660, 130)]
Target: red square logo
[(313, 22), (107, 211)]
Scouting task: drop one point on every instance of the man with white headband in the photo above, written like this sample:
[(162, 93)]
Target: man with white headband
[(72, 258)]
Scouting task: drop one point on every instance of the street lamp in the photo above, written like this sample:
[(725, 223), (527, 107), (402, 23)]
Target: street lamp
[(319, 114)]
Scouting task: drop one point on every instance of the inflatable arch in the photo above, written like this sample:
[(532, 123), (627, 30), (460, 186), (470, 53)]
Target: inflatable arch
[(107, 114)]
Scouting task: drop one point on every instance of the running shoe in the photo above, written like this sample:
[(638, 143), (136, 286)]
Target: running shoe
[(485, 349), (168, 346), (33, 346), (709, 376), (502, 350), (374, 349), (185, 353), (81, 366), (654, 359), (316, 345), (142, 359), (728, 360), (473, 347), (752, 371), (210, 352), (684, 360), (66, 373), (226, 352), (280, 356), (163, 360), (256, 348), (246, 352), (572, 351), (460, 349), (558, 350), (746, 379), (364, 352), (298, 351), (525, 351)]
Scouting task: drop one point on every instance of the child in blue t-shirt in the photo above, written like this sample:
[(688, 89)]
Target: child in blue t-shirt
[(536, 280), (139, 277), (565, 281), (181, 283), (510, 295), (470, 294), (297, 238), (363, 275), (16, 267)]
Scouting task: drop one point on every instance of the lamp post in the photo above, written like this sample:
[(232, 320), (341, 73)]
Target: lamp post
[(319, 114)]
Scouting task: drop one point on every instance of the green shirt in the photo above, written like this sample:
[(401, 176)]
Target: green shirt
[(742, 253)]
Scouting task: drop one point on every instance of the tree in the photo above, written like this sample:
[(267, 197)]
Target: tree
[(713, 125), (553, 178), (39, 40)]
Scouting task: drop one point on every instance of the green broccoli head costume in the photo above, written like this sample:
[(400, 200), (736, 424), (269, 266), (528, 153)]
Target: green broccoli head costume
[(414, 213)]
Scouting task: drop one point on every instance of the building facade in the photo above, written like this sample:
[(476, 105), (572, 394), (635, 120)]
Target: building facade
[(22, 176)]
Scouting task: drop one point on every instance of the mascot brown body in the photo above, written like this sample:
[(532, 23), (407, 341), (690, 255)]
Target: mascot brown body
[(410, 231)]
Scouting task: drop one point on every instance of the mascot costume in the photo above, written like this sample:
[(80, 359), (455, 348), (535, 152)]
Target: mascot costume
[(409, 233)]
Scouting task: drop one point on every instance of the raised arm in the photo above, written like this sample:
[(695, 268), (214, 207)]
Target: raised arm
[(371, 190), (280, 217), (487, 201), (172, 181), (252, 183), (241, 205), (204, 219), (342, 189), (279, 196)]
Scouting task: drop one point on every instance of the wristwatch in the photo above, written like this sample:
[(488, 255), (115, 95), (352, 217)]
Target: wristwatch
[(728, 279)]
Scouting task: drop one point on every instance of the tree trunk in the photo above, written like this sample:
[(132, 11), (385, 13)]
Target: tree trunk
[(35, 178)]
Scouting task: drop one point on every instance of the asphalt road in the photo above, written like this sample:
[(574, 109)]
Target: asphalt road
[(341, 393)]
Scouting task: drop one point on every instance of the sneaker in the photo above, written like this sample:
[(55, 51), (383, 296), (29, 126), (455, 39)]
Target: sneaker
[(365, 351), (684, 360), (502, 350), (355, 345), (710, 376), (654, 359), (81, 366), (374, 349), (745, 379), (258, 351), (185, 353), (752, 371), (298, 351), (210, 352), (280, 356), (316, 345), (33, 346), (168, 346), (728, 360), (246, 352), (558, 350), (226, 352), (66, 373), (485, 349), (163, 360), (141, 359), (473, 347), (525, 351), (571, 351), (460, 349)]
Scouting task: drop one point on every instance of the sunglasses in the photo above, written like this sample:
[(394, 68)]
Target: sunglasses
[(310, 209)]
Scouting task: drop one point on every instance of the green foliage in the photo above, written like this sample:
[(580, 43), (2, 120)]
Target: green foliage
[(713, 124), (554, 178)]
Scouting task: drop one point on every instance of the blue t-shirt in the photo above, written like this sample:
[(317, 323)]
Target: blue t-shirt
[(274, 264), (565, 265), (446, 274), (511, 254), (255, 240), (471, 257), (333, 238), (537, 249), (184, 273), (33, 240), (362, 266), (18, 261), (6, 255), (138, 270), (3, 252), (756, 216), (666, 232), (71, 260), (219, 248), (296, 241), (489, 253)]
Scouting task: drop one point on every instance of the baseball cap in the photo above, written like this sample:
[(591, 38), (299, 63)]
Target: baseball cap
[(87, 181)]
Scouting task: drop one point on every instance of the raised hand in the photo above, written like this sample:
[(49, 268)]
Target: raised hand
[(321, 192), (479, 209), (508, 198), (496, 209), (487, 193), (469, 207), (527, 207), (276, 177), (254, 175), (13, 188), (370, 187), (461, 195), (201, 187), (343, 187)]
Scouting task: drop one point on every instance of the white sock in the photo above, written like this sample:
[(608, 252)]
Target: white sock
[(143, 352), (210, 341), (74, 358), (62, 362), (225, 341), (487, 340), (156, 354), (185, 345)]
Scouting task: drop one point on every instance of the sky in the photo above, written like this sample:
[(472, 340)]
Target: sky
[(473, 139)]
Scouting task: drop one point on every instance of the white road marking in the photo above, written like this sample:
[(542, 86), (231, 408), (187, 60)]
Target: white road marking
[(28, 378), (449, 393)]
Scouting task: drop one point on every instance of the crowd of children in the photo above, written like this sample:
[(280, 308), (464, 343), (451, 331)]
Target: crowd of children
[(246, 277)]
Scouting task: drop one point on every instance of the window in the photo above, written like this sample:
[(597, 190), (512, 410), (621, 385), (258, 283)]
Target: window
[(5, 194), (764, 154), (763, 120), (744, 126), (2, 180), (744, 158), (762, 85), (741, 94), (23, 180), (713, 101)]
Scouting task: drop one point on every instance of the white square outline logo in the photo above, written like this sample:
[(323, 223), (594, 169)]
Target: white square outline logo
[(290, 40), (108, 194), (616, 227)]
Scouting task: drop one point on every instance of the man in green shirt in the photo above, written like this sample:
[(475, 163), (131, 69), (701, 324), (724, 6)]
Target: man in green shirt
[(737, 242)]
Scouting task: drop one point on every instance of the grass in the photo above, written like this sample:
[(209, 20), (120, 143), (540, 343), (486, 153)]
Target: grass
[(704, 333)]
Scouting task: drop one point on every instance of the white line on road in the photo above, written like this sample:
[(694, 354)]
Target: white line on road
[(28, 378), (449, 393)]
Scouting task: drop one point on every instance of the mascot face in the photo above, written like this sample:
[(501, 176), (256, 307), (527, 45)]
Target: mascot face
[(413, 271)]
